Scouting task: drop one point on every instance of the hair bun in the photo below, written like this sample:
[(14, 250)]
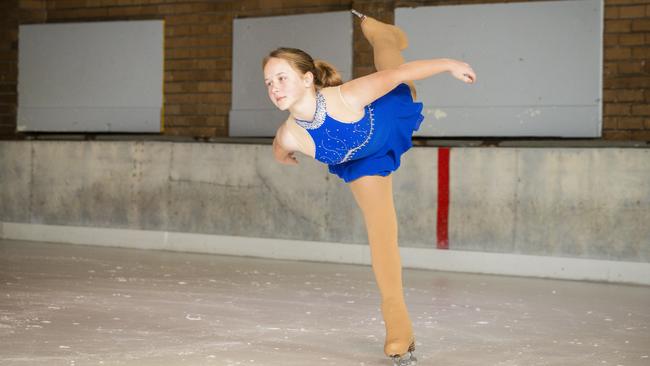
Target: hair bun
[(326, 74)]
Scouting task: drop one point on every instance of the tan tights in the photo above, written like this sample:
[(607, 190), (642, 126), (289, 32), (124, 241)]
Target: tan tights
[(387, 42), (374, 194)]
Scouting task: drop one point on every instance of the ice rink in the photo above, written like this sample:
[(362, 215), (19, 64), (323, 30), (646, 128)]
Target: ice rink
[(80, 305)]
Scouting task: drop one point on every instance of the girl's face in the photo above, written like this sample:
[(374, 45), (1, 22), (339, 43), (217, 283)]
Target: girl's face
[(284, 84)]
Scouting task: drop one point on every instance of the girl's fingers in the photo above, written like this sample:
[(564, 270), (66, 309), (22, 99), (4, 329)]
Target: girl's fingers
[(470, 76), (292, 159)]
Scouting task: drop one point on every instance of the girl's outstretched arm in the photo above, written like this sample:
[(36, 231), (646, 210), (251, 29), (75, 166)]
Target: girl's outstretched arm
[(362, 91)]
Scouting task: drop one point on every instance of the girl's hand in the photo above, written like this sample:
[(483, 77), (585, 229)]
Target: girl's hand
[(288, 159), (462, 71)]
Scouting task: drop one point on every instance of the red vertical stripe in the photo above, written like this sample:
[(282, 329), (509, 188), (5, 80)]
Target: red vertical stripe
[(443, 198)]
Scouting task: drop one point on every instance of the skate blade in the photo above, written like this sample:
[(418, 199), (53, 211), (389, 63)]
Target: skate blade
[(407, 359), (360, 15)]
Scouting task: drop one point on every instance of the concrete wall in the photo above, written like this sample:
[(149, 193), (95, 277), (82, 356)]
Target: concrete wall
[(581, 203)]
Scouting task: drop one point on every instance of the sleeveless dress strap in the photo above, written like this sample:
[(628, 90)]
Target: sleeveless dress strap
[(343, 99)]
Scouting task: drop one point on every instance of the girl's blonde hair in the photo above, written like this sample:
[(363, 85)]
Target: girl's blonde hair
[(324, 73)]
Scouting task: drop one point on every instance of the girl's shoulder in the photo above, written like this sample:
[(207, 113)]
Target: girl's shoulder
[(337, 107)]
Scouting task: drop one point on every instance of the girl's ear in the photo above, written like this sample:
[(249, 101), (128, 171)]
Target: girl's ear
[(308, 79)]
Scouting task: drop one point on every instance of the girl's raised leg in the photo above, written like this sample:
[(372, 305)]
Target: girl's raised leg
[(387, 43)]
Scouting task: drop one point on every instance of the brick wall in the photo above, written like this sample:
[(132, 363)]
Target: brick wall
[(626, 93), (8, 67), (198, 54)]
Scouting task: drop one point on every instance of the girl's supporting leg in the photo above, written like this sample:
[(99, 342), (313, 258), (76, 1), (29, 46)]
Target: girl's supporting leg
[(387, 42), (374, 195)]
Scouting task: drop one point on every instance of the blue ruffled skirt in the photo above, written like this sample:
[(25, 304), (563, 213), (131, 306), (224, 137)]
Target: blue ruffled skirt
[(396, 117)]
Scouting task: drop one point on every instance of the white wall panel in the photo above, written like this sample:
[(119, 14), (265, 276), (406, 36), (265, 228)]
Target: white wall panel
[(83, 77)]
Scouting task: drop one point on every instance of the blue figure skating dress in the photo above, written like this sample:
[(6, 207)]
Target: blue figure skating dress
[(371, 146)]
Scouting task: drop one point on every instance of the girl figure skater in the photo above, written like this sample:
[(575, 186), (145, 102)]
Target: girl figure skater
[(360, 129)]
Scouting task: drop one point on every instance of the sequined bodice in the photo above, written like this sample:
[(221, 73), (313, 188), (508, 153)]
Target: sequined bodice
[(337, 142)]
